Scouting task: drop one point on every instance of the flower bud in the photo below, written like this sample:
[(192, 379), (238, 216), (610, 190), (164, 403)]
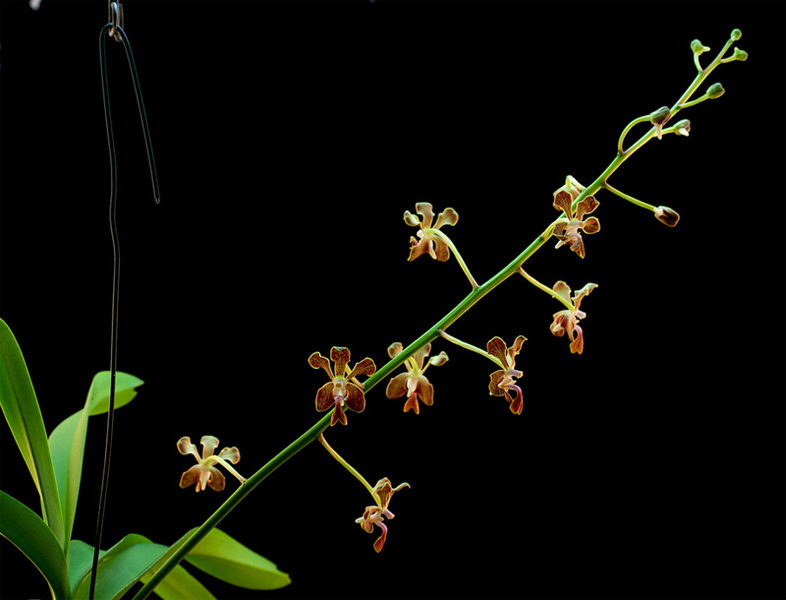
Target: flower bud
[(667, 216), (736, 34), (715, 91), (682, 127), (698, 47), (658, 118), (740, 55)]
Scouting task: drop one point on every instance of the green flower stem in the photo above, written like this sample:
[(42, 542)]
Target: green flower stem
[(460, 260), (695, 101), (630, 126), (546, 289), (471, 348), (630, 199), (347, 466), (478, 292)]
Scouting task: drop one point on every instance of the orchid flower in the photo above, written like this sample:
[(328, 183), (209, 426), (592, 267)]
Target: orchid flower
[(204, 473), (342, 389), (414, 383)]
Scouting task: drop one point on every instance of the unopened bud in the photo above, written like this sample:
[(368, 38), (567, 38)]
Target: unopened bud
[(682, 127), (740, 55), (698, 47), (715, 91), (667, 216), (658, 118), (736, 34)]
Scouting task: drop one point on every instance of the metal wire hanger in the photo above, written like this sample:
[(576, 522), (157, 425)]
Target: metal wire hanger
[(114, 30)]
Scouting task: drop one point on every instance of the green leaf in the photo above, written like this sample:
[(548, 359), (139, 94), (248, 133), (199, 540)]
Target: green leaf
[(132, 559), (223, 557), (121, 567), (98, 396), (21, 410), (180, 585), (67, 441), (28, 532), (80, 561)]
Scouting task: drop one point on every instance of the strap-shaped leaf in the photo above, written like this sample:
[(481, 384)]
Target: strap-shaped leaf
[(67, 441), (132, 559), (28, 532), (21, 410), (223, 557), (180, 585)]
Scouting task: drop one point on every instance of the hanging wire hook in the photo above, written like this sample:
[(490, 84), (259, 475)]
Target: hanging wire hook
[(114, 30), (115, 19)]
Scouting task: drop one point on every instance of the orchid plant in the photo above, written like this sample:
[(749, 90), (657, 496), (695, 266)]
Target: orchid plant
[(139, 565)]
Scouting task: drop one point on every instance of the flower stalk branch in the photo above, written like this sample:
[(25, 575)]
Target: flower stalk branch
[(347, 466)]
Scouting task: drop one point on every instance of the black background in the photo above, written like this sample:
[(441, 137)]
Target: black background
[(290, 138)]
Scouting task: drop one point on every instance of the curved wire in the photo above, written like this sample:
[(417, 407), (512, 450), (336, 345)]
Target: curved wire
[(115, 31)]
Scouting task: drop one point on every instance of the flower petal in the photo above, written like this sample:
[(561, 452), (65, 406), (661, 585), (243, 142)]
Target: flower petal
[(498, 349), (494, 381), (447, 217), (190, 477), (397, 386), (364, 367), (184, 446), (562, 290), (591, 225), (442, 252), (355, 399), (586, 206), (563, 201), (317, 361), (215, 480), (231, 454), (340, 357), (209, 444), (325, 398), (411, 219), (395, 349), (425, 211)]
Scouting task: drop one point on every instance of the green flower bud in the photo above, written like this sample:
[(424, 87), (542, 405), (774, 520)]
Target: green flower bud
[(682, 127), (658, 118), (698, 47), (715, 91), (736, 34), (740, 55), (667, 216)]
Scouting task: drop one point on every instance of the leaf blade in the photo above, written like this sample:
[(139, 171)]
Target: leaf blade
[(23, 415), (223, 557), (28, 532), (67, 441)]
